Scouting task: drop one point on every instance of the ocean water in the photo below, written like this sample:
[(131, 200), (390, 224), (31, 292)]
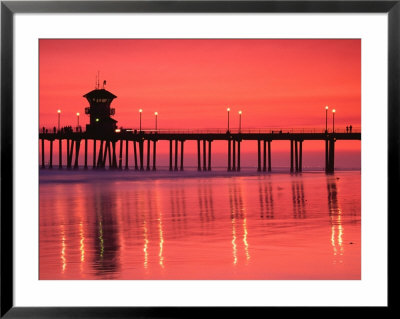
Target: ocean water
[(209, 225)]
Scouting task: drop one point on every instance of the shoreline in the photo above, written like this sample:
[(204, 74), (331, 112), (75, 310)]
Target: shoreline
[(82, 175)]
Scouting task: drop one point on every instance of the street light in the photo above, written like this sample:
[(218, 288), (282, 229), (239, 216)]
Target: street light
[(140, 120), (326, 119), (59, 114), (240, 121), (333, 120), (228, 109), (156, 114), (77, 117)]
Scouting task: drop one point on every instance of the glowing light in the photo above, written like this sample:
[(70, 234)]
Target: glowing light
[(77, 114), (246, 245), (333, 111), (326, 107), (240, 112), (140, 110), (155, 113), (101, 240), (160, 254), (58, 111), (97, 120), (234, 249), (117, 130), (63, 247), (146, 242), (228, 109), (82, 248)]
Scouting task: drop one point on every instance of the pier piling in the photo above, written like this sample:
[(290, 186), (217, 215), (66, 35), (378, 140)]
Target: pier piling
[(209, 155), (233, 155), (238, 156), (51, 154), (154, 154), (170, 155), (121, 145), (60, 153), (141, 154), (106, 150), (265, 156), (126, 154), (148, 155), (204, 156), (176, 155), (86, 153), (182, 154), (135, 155), (291, 156), (198, 156), (269, 156), (77, 147)]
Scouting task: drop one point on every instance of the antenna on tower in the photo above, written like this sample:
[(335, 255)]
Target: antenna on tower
[(98, 80)]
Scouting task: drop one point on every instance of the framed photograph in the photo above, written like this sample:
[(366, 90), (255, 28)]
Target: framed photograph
[(166, 157)]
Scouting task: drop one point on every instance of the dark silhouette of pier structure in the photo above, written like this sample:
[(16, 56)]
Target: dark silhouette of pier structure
[(104, 133)]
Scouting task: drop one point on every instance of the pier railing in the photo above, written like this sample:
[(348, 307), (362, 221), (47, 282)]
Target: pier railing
[(215, 130)]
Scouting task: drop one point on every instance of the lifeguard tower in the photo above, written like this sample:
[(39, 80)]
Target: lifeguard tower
[(100, 111)]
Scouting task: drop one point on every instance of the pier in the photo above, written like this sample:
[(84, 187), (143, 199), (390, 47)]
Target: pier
[(104, 133), (144, 145)]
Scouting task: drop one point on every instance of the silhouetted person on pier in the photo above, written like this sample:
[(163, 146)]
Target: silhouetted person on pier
[(351, 128), (43, 129), (347, 129)]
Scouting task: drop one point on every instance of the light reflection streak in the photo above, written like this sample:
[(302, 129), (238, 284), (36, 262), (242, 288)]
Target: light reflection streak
[(146, 242), (63, 246), (160, 254), (160, 228), (337, 238), (246, 245), (101, 239), (82, 247), (234, 249), (335, 214)]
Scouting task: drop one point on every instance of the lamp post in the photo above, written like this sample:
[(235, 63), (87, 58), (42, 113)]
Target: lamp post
[(228, 109), (333, 120), (156, 114), (240, 121), (326, 119), (77, 118), (59, 114), (140, 120)]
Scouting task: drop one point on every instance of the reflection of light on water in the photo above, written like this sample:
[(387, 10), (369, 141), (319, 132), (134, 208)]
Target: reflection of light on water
[(246, 245), (82, 248), (160, 230), (234, 241), (146, 241), (63, 246), (101, 239), (335, 213), (337, 234), (160, 254)]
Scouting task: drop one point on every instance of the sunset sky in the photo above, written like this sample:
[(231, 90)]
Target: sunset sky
[(190, 83)]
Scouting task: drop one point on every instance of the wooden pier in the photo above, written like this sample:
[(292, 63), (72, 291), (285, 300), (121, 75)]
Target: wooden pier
[(142, 141)]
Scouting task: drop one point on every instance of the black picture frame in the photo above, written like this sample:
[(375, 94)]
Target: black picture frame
[(9, 8)]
